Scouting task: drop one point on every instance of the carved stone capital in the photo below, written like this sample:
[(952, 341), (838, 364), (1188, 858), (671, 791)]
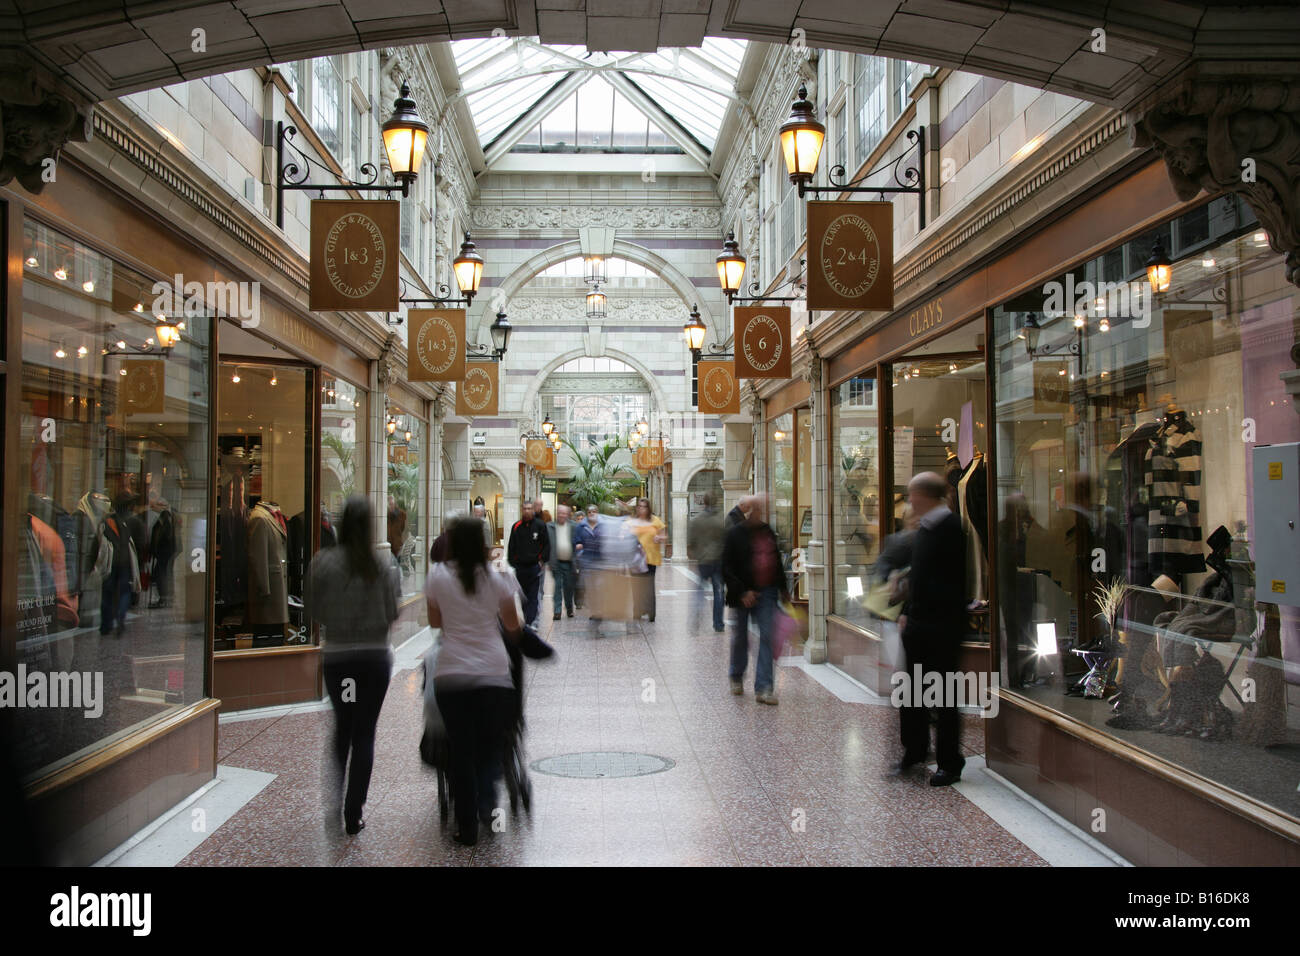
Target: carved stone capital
[(1239, 134), (37, 123)]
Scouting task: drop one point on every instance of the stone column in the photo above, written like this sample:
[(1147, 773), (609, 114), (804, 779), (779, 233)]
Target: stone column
[(816, 556), (681, 506), (733, 489), (436, 479), (384, 373)]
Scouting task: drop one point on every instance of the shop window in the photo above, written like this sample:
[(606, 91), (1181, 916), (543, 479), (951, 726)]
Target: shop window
[(264, 491), (780, 449), (113, 471), (343, 451), (940, 425), (1126, 505), (855, 495), (406, 481)]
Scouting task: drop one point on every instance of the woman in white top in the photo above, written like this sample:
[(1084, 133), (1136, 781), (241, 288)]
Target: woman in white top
[(472, 680)]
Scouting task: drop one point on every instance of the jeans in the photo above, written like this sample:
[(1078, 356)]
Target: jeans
[(564, 576), (530, 580), (478, 722), (763, 612), (356, 714), (711, 574), (115, 601)]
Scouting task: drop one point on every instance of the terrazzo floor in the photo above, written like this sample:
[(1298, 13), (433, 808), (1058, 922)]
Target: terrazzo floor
[(801, 783)]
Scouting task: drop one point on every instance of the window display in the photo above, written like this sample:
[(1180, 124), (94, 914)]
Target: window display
[(780, 450), (1126, 427), (114, 430), (405, 489), (855, 494), (264, 447), (940, 424)]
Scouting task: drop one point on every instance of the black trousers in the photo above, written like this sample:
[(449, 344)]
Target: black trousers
[(356, 714), (478, 721), (530, 578), (935, 649), (644, 593)]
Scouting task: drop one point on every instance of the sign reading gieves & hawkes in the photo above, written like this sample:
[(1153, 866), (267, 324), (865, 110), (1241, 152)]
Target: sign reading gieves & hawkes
[(354, 255)]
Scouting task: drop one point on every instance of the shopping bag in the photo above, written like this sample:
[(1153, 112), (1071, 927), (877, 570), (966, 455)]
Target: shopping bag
[(878, 601), (785, 628)]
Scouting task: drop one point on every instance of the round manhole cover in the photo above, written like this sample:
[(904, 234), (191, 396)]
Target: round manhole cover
[(602, 763)]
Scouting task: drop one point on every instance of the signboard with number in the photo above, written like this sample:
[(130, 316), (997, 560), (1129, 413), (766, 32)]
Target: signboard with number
[(762, 342), (476, 394), (435, 345), (1051, 387), (851, 255), (539, 454), (719, 392), (354, 254), (144, 386), (648, 457)]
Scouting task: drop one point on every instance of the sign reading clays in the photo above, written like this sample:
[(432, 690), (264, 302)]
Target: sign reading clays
[(476, 394), (539, 454), (718, 390), (354, 254), (851, 255), (762, 337), (435, 345), (144, 386)]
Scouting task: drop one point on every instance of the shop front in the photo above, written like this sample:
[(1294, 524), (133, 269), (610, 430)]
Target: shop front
[(1100, 439), (406, 426), (788, 420)]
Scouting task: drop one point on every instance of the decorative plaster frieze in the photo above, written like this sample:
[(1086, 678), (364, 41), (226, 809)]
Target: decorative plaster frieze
[(573, 217)]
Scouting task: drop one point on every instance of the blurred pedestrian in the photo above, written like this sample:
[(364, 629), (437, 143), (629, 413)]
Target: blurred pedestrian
[(649, 531), (353, 596), (473, 604), (704, 540), (933, 624), (562, 540), (588, 548), (737, 514), (751, 565), (528, 550)]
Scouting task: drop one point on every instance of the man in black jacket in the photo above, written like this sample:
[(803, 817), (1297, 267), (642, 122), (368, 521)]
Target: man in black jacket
[(528, 550), (933, 624), (751, 566)]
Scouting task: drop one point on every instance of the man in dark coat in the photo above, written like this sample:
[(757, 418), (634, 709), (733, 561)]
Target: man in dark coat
[(528, 549), (737, 514), (932, 625), (751, 567)]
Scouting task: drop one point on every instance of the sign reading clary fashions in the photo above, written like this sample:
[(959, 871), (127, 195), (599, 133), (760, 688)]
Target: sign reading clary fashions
[(718, 390), (354, 254), (476, 394), (762, 340), (539, 454), (435, 345), (851, 255)]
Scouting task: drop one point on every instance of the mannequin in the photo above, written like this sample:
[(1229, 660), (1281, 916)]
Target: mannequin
[(1173, 478), (268, 594)]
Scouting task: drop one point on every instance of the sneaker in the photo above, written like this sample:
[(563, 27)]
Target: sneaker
[(765, 697), (557, 617), (737, 688)]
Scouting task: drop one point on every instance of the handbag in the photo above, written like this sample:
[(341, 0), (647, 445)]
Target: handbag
[(639, 564)]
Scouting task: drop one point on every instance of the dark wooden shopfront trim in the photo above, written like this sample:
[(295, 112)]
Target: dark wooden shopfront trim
[(790, 396)]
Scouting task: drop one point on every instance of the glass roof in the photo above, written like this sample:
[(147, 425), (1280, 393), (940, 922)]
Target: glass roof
[(506, 82), (615, 267)]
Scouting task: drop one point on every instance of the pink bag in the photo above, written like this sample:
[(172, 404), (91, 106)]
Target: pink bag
[(784, 630)]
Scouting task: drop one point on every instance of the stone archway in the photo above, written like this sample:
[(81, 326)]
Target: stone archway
[(535, 386), (526, 271)]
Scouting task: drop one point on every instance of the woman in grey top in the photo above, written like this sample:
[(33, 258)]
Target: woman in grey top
[(353, 596)]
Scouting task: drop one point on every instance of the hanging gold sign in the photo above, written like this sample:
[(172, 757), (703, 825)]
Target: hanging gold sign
[(144, 390), (762, 337), (648, 457), (851, 255), (539, 454), (354, 254), (435, 345), (476, 396), (719, 392)]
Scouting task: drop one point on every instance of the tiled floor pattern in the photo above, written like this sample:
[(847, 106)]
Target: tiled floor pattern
[(801, 783)]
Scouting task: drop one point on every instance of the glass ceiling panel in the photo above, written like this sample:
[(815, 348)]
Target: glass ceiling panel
[(597, 115), (615, 268)]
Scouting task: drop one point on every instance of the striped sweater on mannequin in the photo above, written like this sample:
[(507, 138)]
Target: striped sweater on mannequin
[(1173, 480)]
